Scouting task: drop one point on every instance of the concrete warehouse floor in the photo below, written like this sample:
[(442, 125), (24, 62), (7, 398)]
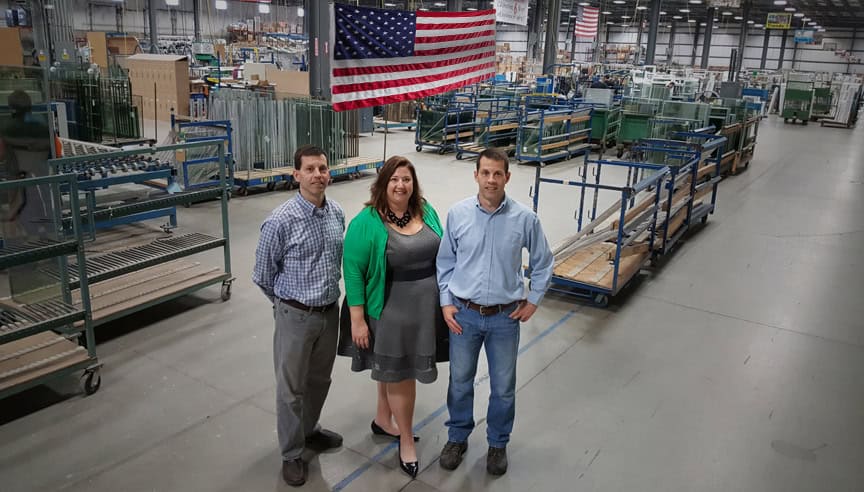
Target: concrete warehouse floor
[(736, 366)]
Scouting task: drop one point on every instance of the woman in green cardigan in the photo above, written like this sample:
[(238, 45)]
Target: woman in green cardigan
[(392, 294)]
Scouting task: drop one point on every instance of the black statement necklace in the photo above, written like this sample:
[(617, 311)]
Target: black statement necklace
[(399, 221)]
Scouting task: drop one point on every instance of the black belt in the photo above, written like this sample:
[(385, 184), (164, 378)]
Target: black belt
[(303, 307), (487, 310), (410, 275)]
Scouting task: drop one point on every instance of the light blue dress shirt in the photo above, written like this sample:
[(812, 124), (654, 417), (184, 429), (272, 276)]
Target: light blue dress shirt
[(480, 256)]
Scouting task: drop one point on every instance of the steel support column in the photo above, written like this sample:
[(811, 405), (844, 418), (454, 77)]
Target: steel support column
[(638, 43), (695, 46), (765, 49), (196, 18), (742, 41), (851, 49), (154, 28), (670, 51), (706, 45), (653, 27), (551, 47), (536, 28), (318, 16), (782, 49)]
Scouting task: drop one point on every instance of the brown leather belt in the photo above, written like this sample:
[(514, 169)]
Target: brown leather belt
[(487, 310), (303, 307)]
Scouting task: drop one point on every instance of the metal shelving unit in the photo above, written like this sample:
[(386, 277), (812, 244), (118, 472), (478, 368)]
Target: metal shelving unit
[(40, 330), (120, 288)]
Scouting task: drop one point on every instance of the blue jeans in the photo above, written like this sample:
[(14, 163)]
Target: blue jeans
[(500, 335)]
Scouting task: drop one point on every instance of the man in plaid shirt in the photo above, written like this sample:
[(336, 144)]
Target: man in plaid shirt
[(298, 266)]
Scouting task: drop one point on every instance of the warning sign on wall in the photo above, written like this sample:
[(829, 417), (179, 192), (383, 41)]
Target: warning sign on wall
[(778, 20)]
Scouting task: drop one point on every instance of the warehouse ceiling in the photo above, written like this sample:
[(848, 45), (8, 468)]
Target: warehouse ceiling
[(823, 13)]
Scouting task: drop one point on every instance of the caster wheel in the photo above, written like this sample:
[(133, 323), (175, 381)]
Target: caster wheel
[(542, 164), (601, 300), (243, 191), (441, 151), (271, 186), (226, 292), (704, 220), (459, 156), (92, 382), (419, 148), (620, 153)]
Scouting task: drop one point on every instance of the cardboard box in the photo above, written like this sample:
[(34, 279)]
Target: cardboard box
[(10, 40), (288, 83), (162, 81)]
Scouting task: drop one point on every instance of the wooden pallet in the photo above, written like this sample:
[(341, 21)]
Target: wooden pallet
[(590, 265)]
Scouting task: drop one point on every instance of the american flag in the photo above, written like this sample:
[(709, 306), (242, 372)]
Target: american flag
[(385, 56), (586, 24)]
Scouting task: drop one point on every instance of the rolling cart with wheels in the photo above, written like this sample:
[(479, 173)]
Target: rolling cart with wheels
[(43, 334)]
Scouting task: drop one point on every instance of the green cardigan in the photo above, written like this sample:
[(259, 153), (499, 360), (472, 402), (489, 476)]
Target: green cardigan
[(364, 259)]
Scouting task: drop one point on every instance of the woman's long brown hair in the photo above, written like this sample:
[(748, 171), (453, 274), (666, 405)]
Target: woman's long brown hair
[(379, 188)]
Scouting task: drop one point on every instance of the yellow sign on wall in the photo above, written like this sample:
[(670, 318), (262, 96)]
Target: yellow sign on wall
[(779, 20)]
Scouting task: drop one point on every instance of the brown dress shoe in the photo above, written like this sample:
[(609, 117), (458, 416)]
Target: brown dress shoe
[(323, 439), (294, 472)]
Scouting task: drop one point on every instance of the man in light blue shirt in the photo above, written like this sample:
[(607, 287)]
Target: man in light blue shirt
[(483, 301)]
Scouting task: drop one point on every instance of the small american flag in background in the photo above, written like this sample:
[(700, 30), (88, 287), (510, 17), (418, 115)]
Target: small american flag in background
[(586, 24), (385, 56)]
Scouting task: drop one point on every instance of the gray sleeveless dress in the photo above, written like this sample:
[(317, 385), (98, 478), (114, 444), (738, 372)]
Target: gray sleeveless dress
[(404, 337)]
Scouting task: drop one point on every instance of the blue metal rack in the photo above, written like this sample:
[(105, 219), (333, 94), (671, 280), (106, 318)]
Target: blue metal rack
[(199, 131), (442, 125), (557, 130), (596, 264), (497, 126)]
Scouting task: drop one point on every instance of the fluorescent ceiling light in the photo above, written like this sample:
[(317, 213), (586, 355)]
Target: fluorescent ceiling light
[(625, 16), (584, 4), (703, 24), (662, 13), (727, 13), (439, 4), (684, 11), (789, 9), (610, 23), (471, 9), (264, 8), (565, 10), (798, 14), (779, 2), (606, 12), (389, 4), (618, 2), (821, 29), (738, 17), (172, 3), (221, 4), (750, 22), (641, 7), (812, 23), (758, 25), (696, 2), (677, 17), (691, 20), (805, 19)]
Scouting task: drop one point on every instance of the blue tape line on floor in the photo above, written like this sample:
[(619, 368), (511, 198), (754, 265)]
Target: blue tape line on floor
[(432, 416)]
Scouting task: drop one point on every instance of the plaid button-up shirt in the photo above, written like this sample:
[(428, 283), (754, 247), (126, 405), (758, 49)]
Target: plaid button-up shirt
[(299, 254)]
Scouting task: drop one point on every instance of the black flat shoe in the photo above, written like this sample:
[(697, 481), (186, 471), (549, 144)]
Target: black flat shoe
[(411, 468), (378, 431)]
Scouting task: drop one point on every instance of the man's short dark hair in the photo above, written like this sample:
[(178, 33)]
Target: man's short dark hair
[(494, 154), (307, 151)]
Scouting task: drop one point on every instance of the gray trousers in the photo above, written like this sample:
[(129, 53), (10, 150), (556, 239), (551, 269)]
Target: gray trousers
[(304, 349)]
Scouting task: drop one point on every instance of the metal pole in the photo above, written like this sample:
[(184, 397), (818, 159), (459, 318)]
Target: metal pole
[(695, 46), (551, 47), (154, 36), (571, 30), (794, 52), (90, 14), (742, 42), (638, 42), (670, 53), (196, 19), (318, 15), (782, 49), (851, 49), (537, 26), (118, 17), (765, 49), (706, 45), (653, 27)]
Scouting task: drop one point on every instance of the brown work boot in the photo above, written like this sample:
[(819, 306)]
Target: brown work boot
[(294, 472), (451, 455)]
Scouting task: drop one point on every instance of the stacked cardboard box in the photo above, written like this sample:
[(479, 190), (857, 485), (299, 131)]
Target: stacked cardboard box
[(162, 82), (503, 59)]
